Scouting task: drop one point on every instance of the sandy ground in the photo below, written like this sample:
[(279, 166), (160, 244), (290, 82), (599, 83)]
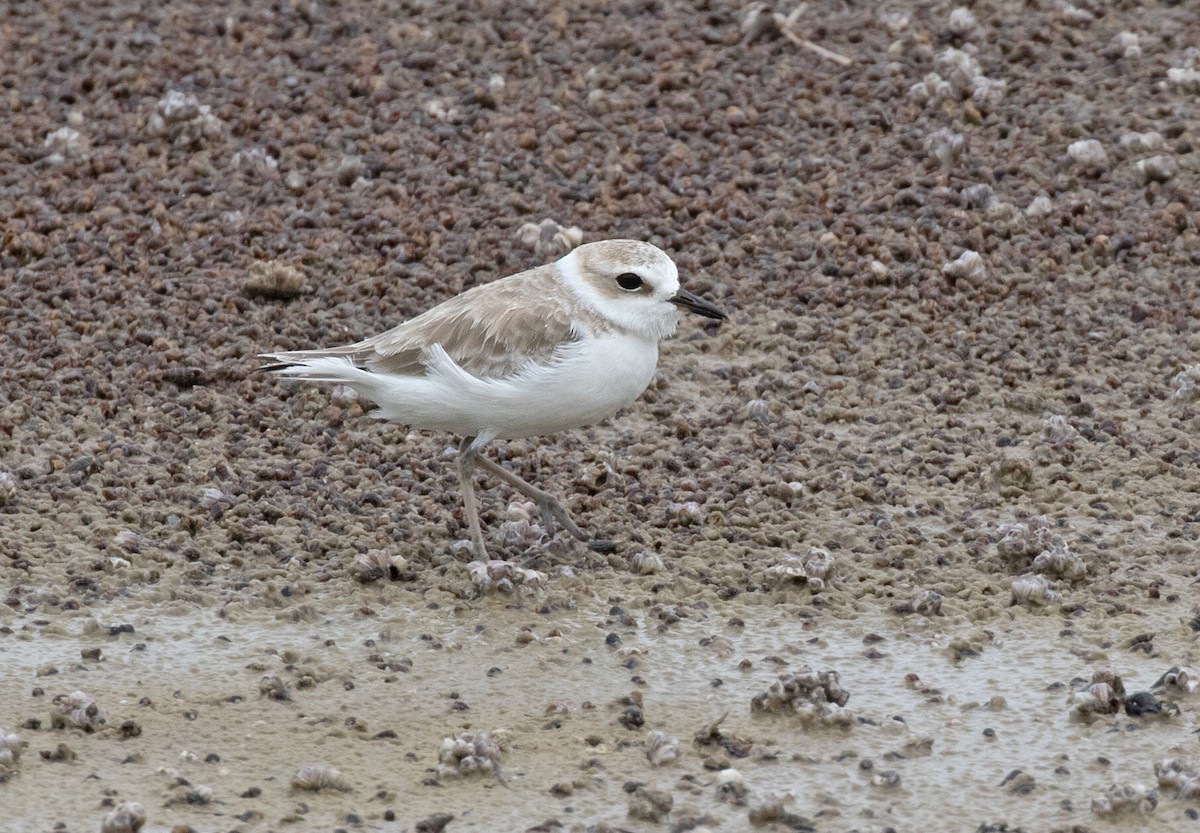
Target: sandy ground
[(945, 448)]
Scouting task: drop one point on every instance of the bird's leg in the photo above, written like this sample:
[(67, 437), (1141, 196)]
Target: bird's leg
[(468, 456), (546, 502)]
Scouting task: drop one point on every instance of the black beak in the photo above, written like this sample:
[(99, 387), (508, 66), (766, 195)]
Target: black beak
[(688, 301)]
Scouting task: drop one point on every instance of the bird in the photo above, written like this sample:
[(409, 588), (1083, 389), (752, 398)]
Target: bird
[(559, 346)]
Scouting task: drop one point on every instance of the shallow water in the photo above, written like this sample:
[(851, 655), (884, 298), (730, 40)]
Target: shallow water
[(469, 670)]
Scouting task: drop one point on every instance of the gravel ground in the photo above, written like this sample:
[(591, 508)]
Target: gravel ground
[(945, 448)]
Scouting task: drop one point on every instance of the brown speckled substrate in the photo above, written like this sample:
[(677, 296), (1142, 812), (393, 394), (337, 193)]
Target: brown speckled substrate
[(962, 273)]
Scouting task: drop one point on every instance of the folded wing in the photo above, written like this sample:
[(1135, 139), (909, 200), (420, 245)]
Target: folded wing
[(490, 331)]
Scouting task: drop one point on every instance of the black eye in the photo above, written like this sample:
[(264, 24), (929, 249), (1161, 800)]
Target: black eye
[(629, 282)]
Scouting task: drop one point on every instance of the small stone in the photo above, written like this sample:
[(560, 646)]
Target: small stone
[(125, 818), (435, 823), (1089, 153), (632, 717), (650, 805), (1142, 703), (274, 280)]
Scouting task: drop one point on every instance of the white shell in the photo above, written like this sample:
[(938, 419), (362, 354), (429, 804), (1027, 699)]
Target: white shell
[(318, 777), (124, 818)]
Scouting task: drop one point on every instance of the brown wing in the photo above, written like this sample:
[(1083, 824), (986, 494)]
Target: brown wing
[(490, 330)]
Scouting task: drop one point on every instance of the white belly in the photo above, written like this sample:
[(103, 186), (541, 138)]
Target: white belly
[(593, 380)]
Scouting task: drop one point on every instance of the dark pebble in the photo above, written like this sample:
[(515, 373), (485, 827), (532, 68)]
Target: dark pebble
[(632, 717), (435, 823), (1142, 703)]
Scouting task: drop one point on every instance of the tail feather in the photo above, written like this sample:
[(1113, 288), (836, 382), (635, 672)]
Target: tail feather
[(333, 369), (273, 366), (434, 401)]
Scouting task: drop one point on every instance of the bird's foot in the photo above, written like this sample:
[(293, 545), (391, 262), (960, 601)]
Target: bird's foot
[(552, 510)]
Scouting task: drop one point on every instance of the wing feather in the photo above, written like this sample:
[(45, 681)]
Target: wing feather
[(490, 331)]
